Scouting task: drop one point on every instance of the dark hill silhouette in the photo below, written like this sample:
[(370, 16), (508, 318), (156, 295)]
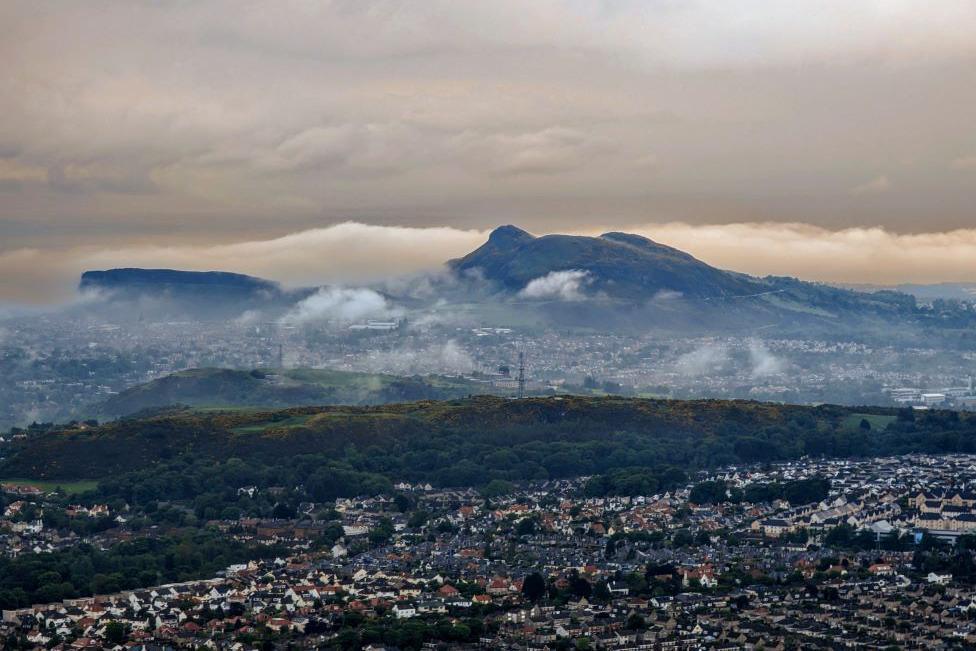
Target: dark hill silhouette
[(631, 281), (174, 280), (619, 264)]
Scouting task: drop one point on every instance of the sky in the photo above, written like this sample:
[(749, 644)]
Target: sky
[(345, 140)]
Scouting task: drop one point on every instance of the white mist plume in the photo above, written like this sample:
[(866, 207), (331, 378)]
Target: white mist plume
[(339, 305), (442, 313), (561, 285), (764, 362), (32, 415), (702, 360), (449, 357), (249, 317)]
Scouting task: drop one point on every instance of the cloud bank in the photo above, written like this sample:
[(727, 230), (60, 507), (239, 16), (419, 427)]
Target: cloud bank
[(344, 253), (353, 253), (868, 255), (339, 305)]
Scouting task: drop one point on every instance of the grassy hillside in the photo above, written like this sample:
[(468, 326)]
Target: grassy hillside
[(471, 441), (273, 388)]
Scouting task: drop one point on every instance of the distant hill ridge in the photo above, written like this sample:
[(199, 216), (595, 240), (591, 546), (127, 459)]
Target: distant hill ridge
[(131, 278), (613, 281), (173, 293), (647, 284), (473, 440), (620, 265), (277, 388)]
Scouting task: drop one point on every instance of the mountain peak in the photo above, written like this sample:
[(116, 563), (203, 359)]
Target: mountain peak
[(509, 234), (618, 265)]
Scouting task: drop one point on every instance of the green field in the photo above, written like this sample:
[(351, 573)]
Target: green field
[(878, 421), (69, 487)]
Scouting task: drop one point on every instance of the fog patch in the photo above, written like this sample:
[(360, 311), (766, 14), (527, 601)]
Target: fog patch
[(249, 317), (764, 363), (32, 415), (442, 313), (559, 285), (339, 305), (707, 359), (447, 358)]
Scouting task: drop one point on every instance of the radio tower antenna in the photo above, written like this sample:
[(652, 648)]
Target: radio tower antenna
[(521, 376)]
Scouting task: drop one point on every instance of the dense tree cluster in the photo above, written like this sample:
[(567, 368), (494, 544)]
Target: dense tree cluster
[(636, 481), (84, 570), (800, 491), (358, 632), (629, 446)]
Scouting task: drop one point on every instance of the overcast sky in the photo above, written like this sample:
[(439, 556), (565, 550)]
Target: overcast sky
[(831, 139)]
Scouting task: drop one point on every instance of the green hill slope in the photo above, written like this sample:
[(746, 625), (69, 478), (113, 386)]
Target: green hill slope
[(268, 388), (471, 441)]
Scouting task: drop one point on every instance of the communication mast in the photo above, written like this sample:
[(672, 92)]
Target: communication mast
[(521, 376)]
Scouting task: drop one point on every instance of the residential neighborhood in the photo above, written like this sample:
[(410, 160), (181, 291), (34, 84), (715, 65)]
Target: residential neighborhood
[(543, 565)]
